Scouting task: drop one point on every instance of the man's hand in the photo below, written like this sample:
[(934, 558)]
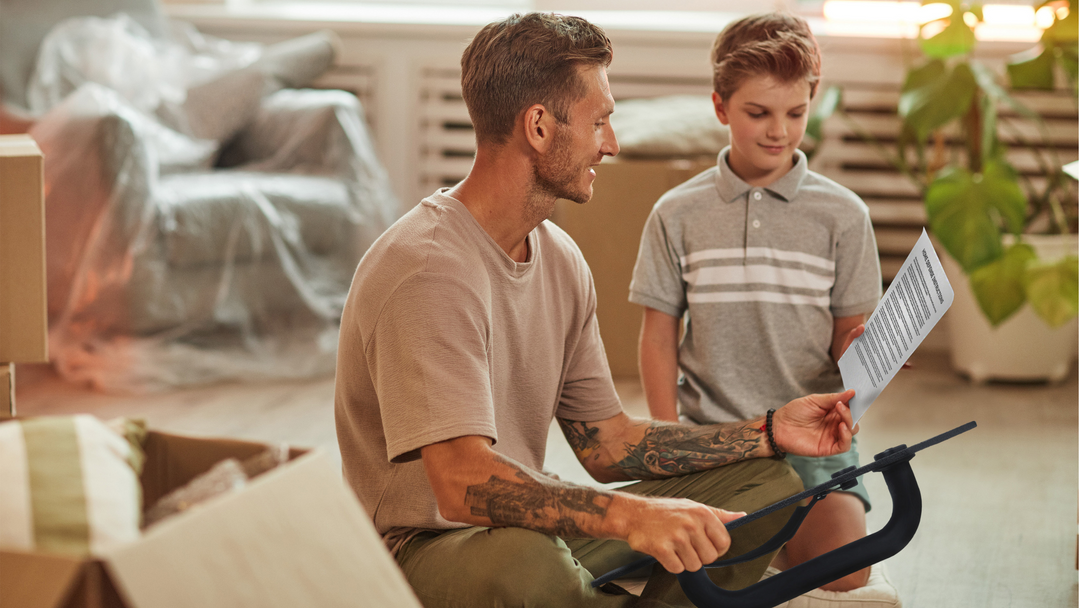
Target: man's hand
[(681, 534), (815, 425)]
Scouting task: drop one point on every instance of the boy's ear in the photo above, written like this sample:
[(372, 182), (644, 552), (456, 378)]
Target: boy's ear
[(720, 108), (539, 127)]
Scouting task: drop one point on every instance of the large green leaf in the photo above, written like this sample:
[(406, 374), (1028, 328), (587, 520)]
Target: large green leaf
[(999, 285), (933, 96), (956, 39), (960, 206), (1052, 290), (1001, 187), (1032, 69), (958, 216)]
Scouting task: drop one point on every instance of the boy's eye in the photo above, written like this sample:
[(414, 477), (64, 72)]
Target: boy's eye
[(756, 115), (797, 115)]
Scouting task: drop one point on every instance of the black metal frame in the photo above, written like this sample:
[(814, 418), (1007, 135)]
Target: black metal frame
[(893, 464)]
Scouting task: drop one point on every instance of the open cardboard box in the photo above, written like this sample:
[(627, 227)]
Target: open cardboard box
[(292, 537)]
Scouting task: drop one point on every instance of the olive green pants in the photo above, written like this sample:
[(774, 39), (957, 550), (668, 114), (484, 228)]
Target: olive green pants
[(477, 567)]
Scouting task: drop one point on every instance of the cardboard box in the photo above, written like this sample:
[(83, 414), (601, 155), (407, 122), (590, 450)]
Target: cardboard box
[(293, 537), (23, 315), (608, 231), (7, 390)]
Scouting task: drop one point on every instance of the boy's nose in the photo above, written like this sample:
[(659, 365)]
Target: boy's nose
[(776, 130)]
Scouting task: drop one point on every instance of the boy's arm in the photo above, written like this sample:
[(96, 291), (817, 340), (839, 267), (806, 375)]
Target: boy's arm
[(658, 352), (845, 330)]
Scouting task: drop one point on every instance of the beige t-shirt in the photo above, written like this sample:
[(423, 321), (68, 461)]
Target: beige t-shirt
[(444, 335)]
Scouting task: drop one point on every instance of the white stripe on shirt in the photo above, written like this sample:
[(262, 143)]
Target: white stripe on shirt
[(757, 273), (758, 252), (756, 296)]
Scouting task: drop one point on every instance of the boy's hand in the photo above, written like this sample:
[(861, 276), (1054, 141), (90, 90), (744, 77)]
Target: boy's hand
[(850, 337), (815, 425), (855, 333)]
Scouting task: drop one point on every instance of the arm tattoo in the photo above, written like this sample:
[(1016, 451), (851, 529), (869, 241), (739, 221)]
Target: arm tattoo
[(668, 450), (580, 436), (531, 501)]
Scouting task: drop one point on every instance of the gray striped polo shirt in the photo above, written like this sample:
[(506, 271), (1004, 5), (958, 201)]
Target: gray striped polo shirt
[(760, 274)]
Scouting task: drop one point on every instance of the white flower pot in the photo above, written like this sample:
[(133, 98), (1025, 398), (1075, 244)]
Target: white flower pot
[(1024, 347)]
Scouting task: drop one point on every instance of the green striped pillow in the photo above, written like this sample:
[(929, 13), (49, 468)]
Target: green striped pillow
[(70, 484)]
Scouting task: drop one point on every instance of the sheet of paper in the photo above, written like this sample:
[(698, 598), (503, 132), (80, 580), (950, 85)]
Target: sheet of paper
[(915, 301)]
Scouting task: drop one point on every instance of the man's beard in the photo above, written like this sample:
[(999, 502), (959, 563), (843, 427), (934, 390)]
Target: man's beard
[(555, 175)]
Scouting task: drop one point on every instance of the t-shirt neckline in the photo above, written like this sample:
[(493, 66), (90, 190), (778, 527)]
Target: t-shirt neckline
[(514, 268)]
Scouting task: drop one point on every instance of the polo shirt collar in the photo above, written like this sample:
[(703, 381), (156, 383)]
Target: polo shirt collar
[(731, 186)]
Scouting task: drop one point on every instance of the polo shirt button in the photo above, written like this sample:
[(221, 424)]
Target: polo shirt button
[(757, 197), (757, 224)]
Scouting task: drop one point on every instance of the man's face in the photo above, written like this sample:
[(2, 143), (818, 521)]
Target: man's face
[(767, 119), (566, 169)]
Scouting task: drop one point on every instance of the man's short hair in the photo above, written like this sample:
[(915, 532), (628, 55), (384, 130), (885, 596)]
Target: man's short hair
[(777, 44), (524, 60)]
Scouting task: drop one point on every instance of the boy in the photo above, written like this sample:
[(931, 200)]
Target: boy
[(775, 268)]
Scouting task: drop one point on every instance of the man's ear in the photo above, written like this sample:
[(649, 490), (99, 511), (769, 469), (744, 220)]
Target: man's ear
[(539, 127), (720, 108)]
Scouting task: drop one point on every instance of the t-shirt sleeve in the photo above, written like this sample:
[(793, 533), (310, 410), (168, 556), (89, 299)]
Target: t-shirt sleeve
[(657, 281), (858, 270), (429, 365), (588, 392)]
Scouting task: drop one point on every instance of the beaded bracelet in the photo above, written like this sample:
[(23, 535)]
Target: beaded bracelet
[(777, 452)]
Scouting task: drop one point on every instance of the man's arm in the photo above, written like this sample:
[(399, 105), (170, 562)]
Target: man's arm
[(623, 448), (658, 362), (475, 485)]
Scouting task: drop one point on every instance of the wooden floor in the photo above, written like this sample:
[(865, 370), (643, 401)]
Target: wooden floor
[(1000, 509)]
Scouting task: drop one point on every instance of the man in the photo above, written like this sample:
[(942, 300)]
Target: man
[(470, 325)]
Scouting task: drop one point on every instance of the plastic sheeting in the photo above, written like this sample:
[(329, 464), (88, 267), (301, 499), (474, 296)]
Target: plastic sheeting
[(166, 269)]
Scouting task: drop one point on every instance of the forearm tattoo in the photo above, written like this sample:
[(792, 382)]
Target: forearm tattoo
[(667, 450), (529, 501)]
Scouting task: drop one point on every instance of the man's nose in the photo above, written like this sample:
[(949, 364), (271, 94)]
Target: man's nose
[(610, 145)]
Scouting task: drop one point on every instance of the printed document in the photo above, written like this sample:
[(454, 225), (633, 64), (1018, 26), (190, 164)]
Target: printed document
[(915, 301)]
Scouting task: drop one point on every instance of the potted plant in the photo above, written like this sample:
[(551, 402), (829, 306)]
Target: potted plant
[(1011, 236)]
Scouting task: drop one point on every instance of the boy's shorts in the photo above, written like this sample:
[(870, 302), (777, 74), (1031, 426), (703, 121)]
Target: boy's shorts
[(816, 471)]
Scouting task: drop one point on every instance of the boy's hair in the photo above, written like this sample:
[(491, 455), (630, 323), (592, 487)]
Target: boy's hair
[(777, 44), (525, 60)]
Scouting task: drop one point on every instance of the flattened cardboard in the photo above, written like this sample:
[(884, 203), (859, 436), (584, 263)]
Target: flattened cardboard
[(294, 536), (608, 231), (291, 538), (23, 314)]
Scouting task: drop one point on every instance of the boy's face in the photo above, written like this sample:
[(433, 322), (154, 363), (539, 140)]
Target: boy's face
[(767, 119)]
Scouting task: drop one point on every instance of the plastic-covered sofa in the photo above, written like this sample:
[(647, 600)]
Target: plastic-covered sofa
[(205, 225)]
